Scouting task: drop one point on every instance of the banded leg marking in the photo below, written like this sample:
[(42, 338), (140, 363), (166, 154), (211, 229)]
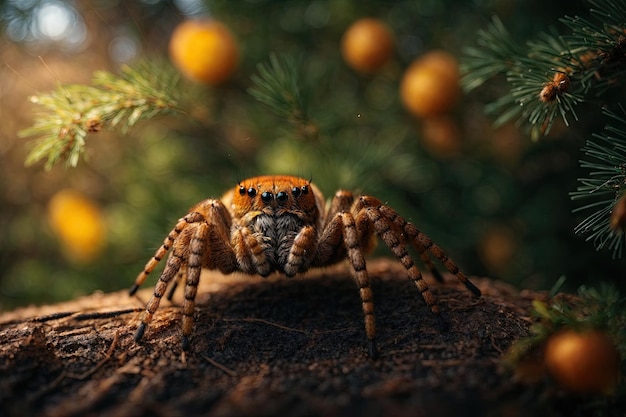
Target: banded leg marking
[(174, 263), (194, 268), (357, 260), (167, 244), (384, 230), (301, 252)]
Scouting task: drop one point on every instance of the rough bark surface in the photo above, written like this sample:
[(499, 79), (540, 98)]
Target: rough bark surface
[(276, 346)]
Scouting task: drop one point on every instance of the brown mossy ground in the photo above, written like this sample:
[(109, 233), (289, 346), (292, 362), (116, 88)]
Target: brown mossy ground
[(261, 347)]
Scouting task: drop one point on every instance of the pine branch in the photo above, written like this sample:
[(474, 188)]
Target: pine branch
[(279, 86), (547, 80), (494, 55), (599, 44), (605, 185), (72, 112), (553, 74)]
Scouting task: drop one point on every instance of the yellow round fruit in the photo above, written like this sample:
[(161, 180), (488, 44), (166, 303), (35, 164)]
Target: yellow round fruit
[(204, 51), (430, 85), (367, 45), (586, 362), (78, 223)]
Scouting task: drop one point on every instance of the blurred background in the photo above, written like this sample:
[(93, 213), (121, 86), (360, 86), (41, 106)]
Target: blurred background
[(497, 202)]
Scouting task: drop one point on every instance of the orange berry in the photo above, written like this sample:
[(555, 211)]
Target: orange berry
[(78, 223), (497, 248), (441, 136), (585, 362), (204, 51), (367, 45), (430, 85)]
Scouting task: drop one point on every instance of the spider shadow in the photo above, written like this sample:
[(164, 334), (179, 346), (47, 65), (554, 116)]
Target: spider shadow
[(312, 317)]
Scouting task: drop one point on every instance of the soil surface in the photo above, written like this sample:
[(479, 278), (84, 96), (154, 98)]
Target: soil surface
[(276, 346)]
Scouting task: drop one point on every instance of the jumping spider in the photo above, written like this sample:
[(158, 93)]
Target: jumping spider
[(272, 224)]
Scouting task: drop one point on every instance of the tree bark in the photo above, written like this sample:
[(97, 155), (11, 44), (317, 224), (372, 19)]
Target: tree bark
[(276, 346)]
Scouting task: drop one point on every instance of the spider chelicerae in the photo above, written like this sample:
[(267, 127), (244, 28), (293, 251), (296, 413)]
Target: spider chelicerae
[(281, 224)]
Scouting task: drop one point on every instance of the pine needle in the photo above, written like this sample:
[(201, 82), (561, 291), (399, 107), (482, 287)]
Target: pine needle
[(279, 85), (606, 163)]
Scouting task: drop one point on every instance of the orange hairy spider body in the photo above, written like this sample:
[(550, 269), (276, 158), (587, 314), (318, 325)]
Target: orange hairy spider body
[(280, 224)]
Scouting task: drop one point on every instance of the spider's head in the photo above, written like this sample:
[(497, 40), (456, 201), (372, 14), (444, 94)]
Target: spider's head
[(278, 194)]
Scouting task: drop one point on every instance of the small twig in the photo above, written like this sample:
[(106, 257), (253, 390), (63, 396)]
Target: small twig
[(269, 323), (53, 316), (219, 366), (74, 315), (455, 362), (106, 314), (462, 305), (496, 347), (440, 363), (40, 319)]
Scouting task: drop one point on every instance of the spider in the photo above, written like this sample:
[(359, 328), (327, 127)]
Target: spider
[(280, 224)]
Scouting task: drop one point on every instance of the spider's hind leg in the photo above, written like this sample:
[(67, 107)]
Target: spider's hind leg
[(160, 253), (180, 277), (424, 243), (429, 264), (385, 230)]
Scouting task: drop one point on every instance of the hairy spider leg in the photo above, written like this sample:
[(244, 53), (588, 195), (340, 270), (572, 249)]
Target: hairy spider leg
[(199, 239), (330, 249), (167, 244), (301, 252), (249, 252), (429, 264), (198, 249), (384, 229), (175, 261), (357, 260), (338, 240), (180, 277), (424, 243), (343, 201)]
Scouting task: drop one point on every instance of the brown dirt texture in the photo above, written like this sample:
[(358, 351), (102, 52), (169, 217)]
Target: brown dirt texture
[(275, 346)]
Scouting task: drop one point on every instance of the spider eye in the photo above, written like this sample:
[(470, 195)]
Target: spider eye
[(295, 191), (267, 197), (242, 190), (282, 197), (305, 189), (251, 192)]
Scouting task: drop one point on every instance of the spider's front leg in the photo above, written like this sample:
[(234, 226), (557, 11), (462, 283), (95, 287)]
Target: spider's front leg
[(200, 239), (188, 250), (197, 248), (175, 261)]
